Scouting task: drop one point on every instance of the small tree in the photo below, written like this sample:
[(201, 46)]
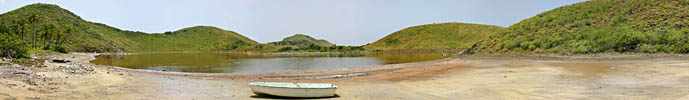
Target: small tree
[(11, 47), (47, 34), (31, 20), (61, 37)]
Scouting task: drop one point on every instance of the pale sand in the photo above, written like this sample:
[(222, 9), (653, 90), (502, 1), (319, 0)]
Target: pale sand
[(453, 78)]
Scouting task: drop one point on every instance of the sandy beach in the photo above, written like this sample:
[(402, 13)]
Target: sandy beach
[(664, 78)]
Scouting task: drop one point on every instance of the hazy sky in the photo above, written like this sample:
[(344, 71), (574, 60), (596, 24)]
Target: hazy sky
[(343, 22)]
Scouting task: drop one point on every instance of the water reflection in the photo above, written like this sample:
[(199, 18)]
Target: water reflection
[(242, 63)]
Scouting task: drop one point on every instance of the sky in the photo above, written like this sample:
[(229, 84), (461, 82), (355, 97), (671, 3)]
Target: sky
[(342, 22)]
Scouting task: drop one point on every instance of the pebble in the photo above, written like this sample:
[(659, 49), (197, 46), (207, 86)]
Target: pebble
[(19, 72)]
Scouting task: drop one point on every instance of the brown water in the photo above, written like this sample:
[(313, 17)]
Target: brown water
[(242, 63)]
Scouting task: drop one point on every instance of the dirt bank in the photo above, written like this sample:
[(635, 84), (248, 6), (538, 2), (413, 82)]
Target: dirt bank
[(453, 78), (73, 80)]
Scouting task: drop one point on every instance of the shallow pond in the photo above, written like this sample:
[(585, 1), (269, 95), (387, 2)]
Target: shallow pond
[(243, 63)]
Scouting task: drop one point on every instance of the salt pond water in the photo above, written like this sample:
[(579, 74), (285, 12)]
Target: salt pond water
[(243, 63)]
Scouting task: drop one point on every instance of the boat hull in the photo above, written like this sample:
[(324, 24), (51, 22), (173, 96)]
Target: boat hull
[(293, 92)]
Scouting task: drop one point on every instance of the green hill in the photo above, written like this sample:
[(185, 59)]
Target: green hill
[(189, 39), (600, 26), (95, 37), (301, 40), (444, 36), (86, 35)]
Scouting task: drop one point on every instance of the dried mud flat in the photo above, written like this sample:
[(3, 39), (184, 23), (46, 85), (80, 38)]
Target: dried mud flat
[(453, 78)]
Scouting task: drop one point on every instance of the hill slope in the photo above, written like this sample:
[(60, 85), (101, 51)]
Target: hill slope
[(301, 40), (600, 26), (96, 37), (189, 39), (84, 38), (442, 36)]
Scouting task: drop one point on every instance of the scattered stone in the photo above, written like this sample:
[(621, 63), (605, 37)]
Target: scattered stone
[(20, 73), (335, 76), (60, 61)]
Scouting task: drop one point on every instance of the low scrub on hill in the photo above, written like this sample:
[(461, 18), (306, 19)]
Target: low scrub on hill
[(301, 40), (443, 36), (49, 27), (600, 26)]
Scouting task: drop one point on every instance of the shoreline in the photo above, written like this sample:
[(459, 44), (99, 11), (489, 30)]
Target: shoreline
[(377, 69), (382, 69)]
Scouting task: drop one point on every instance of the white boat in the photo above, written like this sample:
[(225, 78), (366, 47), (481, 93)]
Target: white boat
[(285, 89)]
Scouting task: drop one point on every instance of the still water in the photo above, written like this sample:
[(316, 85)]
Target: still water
[(242, 63)]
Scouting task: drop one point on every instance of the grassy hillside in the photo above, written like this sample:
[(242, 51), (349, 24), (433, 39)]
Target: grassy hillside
[(442, 36), (193, 38), (87, 36), (301, 40), (600, 26)]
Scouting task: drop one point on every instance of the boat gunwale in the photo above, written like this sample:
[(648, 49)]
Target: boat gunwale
[(333, 86)]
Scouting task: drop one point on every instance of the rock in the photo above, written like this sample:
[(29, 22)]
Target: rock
[(60, 61), (20, 73)]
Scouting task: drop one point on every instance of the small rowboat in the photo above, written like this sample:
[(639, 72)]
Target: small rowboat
[(285, 89)]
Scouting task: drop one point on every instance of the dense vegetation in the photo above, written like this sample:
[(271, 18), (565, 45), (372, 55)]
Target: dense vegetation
[(187, 39), (41, 25), (600, 26), (49, 27), (443, 36), (315, 48), (11, 45), (301, 40)]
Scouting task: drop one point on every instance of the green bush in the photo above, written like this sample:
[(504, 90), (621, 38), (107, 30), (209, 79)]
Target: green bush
[(286, 48), (11, 46), (596, 26), (60, 50)]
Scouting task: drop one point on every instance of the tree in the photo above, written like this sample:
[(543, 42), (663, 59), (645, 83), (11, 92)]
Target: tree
[(32, 19), (4, 30), (46, 34), (68, 31), (20, 28), (10, 46)]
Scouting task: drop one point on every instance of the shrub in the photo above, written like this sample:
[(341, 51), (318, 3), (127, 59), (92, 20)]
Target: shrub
[(60, 49), (12, 47), (286, 48)]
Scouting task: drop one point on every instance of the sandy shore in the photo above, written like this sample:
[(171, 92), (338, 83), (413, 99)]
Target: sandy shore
[(453, 78)]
